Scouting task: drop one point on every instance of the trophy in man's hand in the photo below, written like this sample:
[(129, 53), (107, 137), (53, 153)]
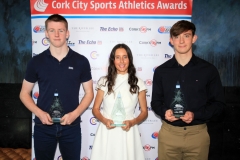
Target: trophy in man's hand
[(178, 104), (56, 111), (118, 113)]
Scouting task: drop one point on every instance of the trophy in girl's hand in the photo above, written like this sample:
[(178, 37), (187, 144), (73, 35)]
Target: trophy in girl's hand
[(118, 113)]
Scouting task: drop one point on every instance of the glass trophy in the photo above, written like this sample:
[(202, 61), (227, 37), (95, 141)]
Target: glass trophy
[(178, 103), (118, 113), (56, 110)]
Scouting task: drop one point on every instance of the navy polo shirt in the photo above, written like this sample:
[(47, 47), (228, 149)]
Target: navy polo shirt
[(65, 77)]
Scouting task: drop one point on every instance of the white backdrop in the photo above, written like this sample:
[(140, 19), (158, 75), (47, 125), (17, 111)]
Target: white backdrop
[(95, 28)]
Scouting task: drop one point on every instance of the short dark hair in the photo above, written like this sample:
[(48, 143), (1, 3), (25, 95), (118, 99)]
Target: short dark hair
[(56, 18), (182, 26)]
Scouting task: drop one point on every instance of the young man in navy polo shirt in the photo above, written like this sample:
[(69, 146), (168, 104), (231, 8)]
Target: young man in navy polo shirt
[(62, 70), (189, 83)]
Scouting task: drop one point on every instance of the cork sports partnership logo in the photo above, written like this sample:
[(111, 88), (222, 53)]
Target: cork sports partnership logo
[(94, 55), (93, 121), (40, 5), (45, 41), (60, 158)]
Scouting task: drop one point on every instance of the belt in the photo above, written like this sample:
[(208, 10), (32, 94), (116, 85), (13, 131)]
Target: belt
[(177, 128)]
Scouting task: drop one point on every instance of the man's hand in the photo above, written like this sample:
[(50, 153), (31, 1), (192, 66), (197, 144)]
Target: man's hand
[(188, 117), (169, 116), (45, 118), (68, 118)]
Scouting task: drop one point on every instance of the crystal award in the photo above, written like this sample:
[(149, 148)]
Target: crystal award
[(178, 105), (118, 113), (56, 110)]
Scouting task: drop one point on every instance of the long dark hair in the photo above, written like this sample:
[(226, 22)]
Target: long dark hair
[(112, 71)]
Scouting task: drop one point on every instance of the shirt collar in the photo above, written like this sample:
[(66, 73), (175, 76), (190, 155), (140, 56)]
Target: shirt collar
[(68, 55), (193, 60)]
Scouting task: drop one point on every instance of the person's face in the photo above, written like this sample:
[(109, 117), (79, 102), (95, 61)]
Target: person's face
[(183, 43), (121, 61), (57, 33)]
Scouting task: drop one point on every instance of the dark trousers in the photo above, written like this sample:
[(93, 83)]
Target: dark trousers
[(183, 143), (46, 138)]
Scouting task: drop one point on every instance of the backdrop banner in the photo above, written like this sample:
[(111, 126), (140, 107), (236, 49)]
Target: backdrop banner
[(95, 28)]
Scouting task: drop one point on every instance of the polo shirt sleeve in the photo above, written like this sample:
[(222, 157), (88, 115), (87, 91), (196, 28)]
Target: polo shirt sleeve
[(31, 74), (86, 74), (141, 85)]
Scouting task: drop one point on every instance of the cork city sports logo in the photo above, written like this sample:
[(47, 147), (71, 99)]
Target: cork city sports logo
[(40, 5)]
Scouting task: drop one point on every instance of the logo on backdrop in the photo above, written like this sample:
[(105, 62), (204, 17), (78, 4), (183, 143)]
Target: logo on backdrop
[(148, 82), (82, 28), (85, 158), (121, 41), (40, 5), (45, 41), (35, 95), (153, 42), (60, 158), (139, 68), (94, 55), (111, 29), (39, 29), (92, 134), (164, 29), (150, 121), (89, 42), (33, 42), (69, 43), (155, 135), (147, 147), (168, 56), (142, 29), (93, 121)]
